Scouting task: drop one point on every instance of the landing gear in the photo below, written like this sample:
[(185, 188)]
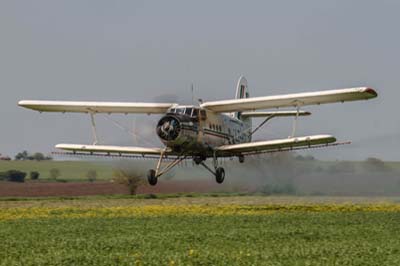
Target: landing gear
[(219, 172), (220, 175), (199, 159), (151, 177), (241, 159)]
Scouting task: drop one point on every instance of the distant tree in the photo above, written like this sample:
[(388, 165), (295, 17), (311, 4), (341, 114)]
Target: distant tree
[(22, 156), (131, 180), (15, 176), (38, 156), (54, 173), (374, 164), (34, 175), (91, 175)]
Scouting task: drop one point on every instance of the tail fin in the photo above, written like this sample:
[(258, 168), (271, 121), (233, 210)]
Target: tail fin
[(242, 92)]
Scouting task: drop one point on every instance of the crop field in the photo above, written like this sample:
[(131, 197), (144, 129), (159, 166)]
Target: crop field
[(247, 230)]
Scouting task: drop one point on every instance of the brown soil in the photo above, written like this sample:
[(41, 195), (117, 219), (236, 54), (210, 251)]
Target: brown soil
[(44, 189)]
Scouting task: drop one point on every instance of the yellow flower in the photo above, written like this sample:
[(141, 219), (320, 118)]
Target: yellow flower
[(191, 251)]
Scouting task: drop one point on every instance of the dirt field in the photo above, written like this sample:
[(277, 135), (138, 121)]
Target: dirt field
[(44, 189)]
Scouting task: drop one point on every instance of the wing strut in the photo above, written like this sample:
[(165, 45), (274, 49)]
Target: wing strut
[(94, 130), (295, 121), (263, 123)]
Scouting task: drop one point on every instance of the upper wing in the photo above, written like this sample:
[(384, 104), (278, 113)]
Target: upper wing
[(288, 100), (113, 149), (96, 107), (276, 144), (275, 114)]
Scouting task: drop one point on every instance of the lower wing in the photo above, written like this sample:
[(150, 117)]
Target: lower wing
[(275, 145), (113, 149), (225, 150)]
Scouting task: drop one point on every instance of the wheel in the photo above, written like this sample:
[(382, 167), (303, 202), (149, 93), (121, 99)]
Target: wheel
[(241, 159), (220, 175), (151, 177)]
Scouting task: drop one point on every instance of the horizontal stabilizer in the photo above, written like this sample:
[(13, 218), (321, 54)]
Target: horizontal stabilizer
[(291, 100), (276, 144), (275, 114), (96, 107), (111, 149)]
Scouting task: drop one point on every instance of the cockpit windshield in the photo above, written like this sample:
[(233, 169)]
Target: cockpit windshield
[(188, 111), (180, 111)]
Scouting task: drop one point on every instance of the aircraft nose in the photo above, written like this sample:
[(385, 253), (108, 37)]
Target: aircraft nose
[(168, 128)]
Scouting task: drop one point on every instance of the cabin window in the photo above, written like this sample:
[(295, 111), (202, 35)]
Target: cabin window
[(195, 112), (188, 111)]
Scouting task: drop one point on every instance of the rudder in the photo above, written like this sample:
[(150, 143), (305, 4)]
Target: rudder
[(242, 92)]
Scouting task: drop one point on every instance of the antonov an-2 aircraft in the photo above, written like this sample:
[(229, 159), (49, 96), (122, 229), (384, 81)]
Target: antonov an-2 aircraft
[(211, 130)]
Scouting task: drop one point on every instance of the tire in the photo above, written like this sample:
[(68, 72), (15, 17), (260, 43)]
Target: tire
[(241, 159), (151, 177), (220, 175)]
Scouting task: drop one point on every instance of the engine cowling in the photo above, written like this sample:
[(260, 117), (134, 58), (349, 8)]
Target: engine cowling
[(168, 128)]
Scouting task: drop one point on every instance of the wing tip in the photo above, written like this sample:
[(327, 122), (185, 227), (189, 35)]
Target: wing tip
[(22, 103), (371, 92)]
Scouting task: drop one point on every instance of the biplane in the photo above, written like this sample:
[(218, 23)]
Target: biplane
[(211, 129)]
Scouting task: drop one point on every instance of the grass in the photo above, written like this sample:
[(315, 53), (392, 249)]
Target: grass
[(70, 170), (77, 170), (201, 231)]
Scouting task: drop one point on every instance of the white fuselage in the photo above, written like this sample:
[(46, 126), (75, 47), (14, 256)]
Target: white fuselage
[(191, 130)]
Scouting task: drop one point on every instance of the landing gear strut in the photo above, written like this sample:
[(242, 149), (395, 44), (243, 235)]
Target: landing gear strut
[(152, 175), (219, 172)]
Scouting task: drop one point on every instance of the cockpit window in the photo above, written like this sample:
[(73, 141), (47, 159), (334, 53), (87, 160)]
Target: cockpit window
[(195, 112), (180, 110), (188, 111), (172, 110)]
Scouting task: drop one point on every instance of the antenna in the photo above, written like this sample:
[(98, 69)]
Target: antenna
[(192, 88)]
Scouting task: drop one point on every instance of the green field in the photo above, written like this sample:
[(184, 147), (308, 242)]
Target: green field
[(70, 170), (77, 170), (201, 231)]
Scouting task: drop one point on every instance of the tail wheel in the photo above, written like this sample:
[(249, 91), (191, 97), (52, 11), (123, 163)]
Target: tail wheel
[(219, 175), (151, 177)]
